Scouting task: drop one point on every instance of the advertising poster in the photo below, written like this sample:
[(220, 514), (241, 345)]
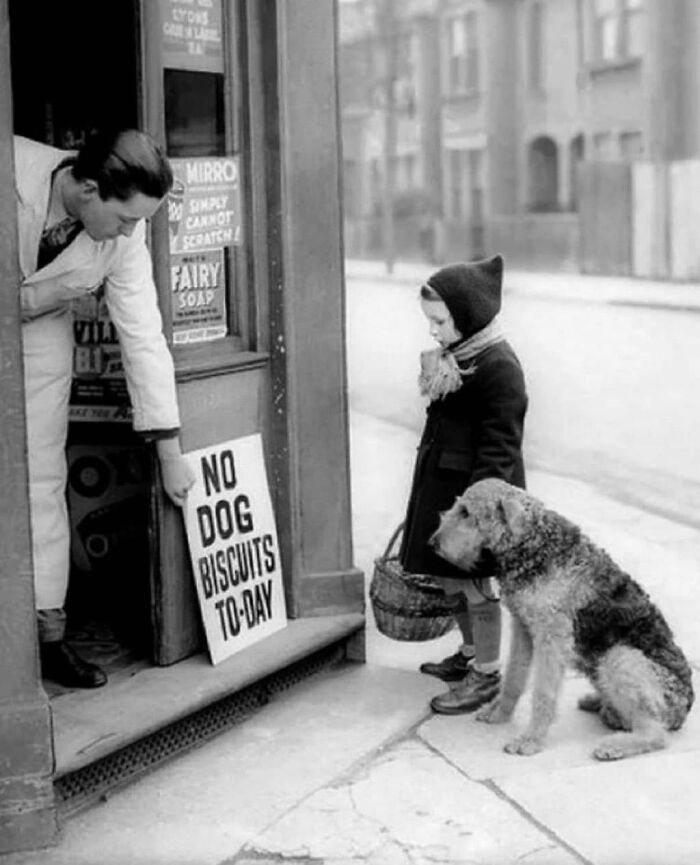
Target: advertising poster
[(98, 389), (203, 218), (199, 296), (192, 35), (233, 546), (204, 209)]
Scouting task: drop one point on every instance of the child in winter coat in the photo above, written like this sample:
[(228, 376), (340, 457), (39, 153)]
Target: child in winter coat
[(477, 401)]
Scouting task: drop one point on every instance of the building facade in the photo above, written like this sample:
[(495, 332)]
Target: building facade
[(542, 106)]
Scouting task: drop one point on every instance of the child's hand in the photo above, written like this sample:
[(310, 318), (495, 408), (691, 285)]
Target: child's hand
[(178, 476)]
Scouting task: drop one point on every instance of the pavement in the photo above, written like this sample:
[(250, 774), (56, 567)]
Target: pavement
[(564, 286), (351, 766)]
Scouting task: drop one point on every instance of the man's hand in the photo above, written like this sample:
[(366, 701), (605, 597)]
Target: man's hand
[(178, 475)]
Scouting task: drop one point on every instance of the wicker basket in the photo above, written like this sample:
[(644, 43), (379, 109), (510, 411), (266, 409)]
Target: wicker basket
[(409, 607)]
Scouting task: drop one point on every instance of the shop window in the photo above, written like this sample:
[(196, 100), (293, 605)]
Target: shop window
[(194, 113), (463, 54), (543, 174), (200, 82)]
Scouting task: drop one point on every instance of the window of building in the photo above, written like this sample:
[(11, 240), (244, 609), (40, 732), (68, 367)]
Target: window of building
[(618, 30), (465, 184), (633, 27), (405, 172), (357, 72), (194, 65), (456, 199), (463, 53), (406, 65), (202, 105), (476, 185), (376, 183), (535, 50), (631, 145), (194, 111), (543, 175), (576, 157), (352, 188), (603, 145)]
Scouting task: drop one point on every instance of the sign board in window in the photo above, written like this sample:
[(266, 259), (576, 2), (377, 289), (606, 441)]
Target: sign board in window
[(192, 34), (204, 219), (204, 209), (233, 546), (199, 296)]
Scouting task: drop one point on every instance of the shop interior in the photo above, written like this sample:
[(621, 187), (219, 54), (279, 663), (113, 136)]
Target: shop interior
[(81, 74)]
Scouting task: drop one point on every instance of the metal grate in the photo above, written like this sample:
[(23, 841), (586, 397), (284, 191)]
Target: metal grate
[(93, 783)]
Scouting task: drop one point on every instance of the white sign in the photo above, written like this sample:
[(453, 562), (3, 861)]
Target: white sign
[(233, 544)]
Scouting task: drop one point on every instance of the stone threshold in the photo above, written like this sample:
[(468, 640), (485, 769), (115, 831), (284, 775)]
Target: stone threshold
[(139, 701)]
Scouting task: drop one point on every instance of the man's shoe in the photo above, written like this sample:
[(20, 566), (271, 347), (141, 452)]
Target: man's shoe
[(477, 689), (61, 664), (451, 669)]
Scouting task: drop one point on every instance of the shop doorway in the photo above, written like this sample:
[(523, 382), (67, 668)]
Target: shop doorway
[(75, 69)]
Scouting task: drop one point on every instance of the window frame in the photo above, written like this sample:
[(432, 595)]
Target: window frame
[(621, 16), (241, 342), (463, 70)]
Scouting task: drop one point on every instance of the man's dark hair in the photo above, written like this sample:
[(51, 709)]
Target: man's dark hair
[(123, 163)]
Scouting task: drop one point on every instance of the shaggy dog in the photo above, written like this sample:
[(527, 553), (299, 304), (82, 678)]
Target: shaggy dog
[(570, 603)]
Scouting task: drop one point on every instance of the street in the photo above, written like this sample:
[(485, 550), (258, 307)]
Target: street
[(350, 765), (614, 390)]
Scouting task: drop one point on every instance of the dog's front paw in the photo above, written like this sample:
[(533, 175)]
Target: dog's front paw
[(608, 751), (523, 745), (494, 713)]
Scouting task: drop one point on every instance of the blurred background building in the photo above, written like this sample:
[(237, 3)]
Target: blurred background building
[(563, 133)]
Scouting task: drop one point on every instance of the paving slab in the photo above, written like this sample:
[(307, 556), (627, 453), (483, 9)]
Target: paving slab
[(642, 811), (408, 806), (477, 748), (203, 807)]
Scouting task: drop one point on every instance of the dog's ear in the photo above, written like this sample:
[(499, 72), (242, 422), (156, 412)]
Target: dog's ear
[(513, 513)]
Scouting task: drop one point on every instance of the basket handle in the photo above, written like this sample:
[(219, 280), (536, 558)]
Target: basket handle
[(392, 540)]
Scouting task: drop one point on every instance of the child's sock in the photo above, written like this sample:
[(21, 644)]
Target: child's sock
[(486, 626), (467, 650), (487, 669)]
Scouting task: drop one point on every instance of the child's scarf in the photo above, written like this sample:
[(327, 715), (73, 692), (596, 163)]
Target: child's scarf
[(442, 369)]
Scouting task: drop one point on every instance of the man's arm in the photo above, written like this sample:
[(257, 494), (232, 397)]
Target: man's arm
[(131, 298)]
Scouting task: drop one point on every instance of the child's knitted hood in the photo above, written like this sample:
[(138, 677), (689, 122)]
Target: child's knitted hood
[(471, 291)]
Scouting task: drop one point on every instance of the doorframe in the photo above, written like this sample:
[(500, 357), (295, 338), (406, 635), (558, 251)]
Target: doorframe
[(27, 810)]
